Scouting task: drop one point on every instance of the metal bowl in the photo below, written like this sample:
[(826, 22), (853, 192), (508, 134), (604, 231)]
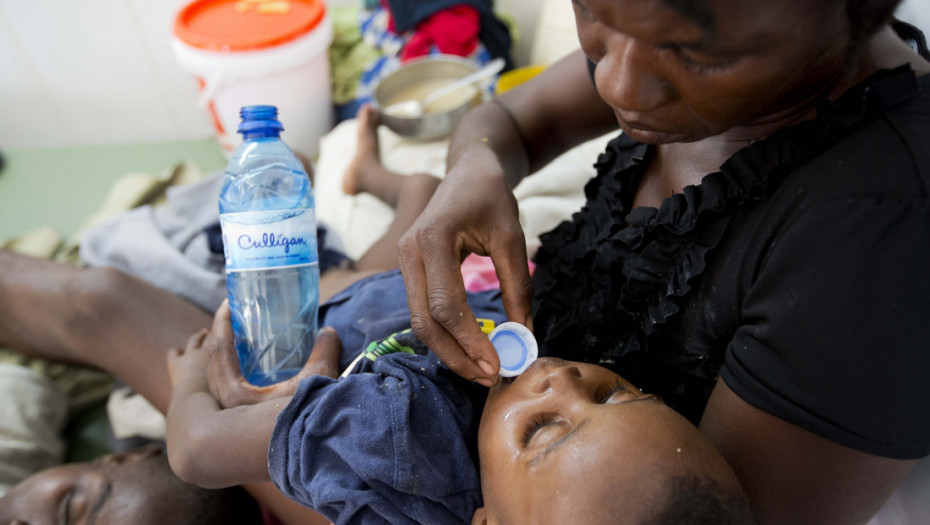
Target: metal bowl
[(431, 125)]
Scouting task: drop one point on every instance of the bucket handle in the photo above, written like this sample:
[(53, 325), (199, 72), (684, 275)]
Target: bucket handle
[(211, 87)]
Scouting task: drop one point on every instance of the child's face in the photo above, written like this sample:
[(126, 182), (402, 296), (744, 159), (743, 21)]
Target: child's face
[(129, 487), (572, 443)]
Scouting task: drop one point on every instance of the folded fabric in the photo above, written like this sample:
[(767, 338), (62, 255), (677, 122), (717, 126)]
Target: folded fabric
[(131, 415), (166, 245), (32, 417)]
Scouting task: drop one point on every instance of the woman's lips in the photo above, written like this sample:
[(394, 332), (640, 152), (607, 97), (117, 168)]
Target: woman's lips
[(640, 126)]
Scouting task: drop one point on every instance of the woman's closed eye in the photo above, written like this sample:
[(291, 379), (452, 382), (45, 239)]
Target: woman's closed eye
[(580, 8), (691, 58)]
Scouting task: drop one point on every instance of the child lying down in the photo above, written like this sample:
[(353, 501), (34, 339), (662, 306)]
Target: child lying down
[(402, 439)]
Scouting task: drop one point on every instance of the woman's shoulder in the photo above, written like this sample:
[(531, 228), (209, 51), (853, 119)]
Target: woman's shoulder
[(885, 150), (871, 143)]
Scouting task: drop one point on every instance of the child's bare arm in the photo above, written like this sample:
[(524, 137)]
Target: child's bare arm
[(215, 447), (207, 445)]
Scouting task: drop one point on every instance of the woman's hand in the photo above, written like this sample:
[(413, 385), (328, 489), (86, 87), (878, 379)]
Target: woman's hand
[(493, 148), (225, 378), (473, 211)]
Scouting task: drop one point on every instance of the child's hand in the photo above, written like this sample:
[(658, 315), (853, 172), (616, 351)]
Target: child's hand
[(189, 364), (225, 377)]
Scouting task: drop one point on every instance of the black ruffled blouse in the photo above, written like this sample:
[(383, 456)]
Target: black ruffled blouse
[(734, 276)]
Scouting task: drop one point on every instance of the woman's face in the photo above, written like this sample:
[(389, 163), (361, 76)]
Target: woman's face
[(669, 79)]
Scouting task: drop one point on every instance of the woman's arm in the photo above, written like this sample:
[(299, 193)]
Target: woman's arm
[(794, 476), (474, 211), (532, 124)]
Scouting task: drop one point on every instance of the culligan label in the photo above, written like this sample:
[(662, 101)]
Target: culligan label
[(261, 240)]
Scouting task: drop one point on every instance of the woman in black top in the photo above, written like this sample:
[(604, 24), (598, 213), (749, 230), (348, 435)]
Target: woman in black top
[(754, 249)]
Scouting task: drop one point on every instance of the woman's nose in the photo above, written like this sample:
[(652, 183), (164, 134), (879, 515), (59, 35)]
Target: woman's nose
[(559, 379), (628, 77)]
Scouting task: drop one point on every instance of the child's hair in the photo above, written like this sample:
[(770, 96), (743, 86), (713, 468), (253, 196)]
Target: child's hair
[(700, 500), (231, 506)]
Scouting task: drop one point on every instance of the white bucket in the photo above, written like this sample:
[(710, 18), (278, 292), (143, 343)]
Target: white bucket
[(294, 76)]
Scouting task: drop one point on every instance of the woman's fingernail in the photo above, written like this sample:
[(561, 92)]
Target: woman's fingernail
[(486, 367)]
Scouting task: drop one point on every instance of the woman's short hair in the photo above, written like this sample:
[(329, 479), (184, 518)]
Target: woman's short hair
[(868, 16), (865, 16)]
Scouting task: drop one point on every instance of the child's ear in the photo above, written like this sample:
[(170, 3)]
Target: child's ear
[(480, 517)]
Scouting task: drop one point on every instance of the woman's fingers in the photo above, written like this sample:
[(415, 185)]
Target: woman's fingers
[(323, 361), (222, 324), (324, 358), (448, 307), (438, 314), (510, 265), (224, 362), (195, 341), (223, 372)]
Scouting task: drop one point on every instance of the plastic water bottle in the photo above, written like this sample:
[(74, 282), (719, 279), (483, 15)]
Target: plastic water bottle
[(269, 238)]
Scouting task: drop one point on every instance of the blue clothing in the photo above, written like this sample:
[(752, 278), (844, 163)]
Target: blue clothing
[(376, 307), (395, 441)]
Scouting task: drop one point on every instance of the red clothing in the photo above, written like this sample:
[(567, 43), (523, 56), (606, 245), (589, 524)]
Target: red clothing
[(453, 31)]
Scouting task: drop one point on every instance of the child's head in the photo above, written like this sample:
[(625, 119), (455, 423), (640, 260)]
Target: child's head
[(575, 443), (130, 487)]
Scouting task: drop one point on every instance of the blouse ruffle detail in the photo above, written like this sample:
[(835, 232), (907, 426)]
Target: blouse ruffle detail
[(613, 276)]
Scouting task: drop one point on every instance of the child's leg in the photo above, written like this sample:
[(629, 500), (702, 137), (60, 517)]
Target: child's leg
[(106, 319), (407, 194), (96, 317)]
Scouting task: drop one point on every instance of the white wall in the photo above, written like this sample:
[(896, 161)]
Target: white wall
[(76, 72), (916, 12), (92, 72)]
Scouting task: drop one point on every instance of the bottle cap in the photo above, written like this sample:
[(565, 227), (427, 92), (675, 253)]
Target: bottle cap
[(516, 348), (259, 121)]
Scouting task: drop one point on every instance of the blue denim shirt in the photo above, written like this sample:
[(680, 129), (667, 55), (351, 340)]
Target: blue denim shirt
[(396, 440)]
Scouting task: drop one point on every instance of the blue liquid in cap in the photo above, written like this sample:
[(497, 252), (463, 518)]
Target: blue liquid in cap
[(516, 348), (510, 349)]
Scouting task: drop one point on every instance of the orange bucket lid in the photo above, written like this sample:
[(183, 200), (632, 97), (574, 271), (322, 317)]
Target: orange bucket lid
[(246, 25)]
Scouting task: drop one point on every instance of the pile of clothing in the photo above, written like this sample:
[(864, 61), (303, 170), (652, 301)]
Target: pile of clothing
[(376, 40)]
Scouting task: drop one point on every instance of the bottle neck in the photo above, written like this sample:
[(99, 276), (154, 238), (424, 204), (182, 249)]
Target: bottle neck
[(260, 134)]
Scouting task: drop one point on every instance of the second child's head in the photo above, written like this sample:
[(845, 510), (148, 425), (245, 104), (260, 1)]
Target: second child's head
[(570, 442)]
